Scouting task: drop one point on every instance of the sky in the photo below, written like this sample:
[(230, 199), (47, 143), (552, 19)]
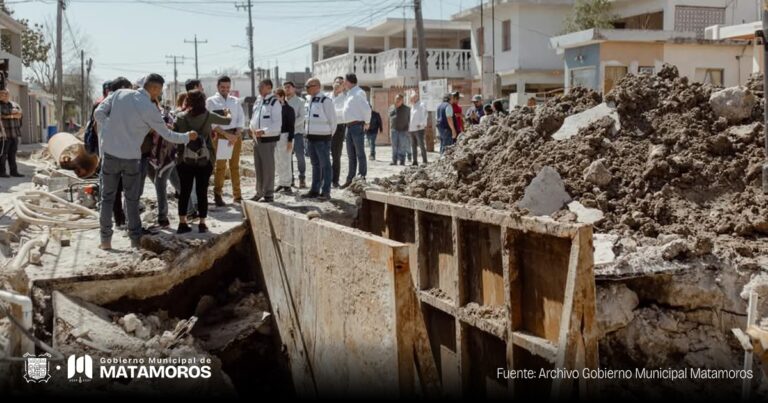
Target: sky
[(132, 38)]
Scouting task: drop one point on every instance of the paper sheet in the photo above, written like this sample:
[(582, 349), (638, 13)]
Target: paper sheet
[(224, 150)]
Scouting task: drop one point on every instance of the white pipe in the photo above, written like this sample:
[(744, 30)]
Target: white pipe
[(27, 345), (21, 257)]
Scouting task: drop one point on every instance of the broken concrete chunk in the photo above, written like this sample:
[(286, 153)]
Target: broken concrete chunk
[(734, 104), (615, 306), (130, 322), (675, 249), (598, 174), (574, 123), (584, 214), (603, 244), (546, 194)]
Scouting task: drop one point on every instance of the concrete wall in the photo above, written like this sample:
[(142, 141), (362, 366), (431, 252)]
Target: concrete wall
[(689, 57), (340, 312), (736, 12)]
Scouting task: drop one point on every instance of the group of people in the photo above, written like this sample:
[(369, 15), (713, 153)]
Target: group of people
[(137, 138)]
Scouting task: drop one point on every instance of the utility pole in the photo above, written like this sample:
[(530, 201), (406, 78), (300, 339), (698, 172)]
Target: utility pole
[(175, 63), (59, 67), (421, 41), (82, 87), (249, 6), (88, 67), (195, 41)]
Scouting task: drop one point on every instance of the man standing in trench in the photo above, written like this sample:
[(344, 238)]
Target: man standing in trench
[(125, 118)]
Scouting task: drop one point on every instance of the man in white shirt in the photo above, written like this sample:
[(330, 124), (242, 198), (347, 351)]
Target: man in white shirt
[(320, 124), (357, 116), (339, 97), (266, 125), (222, 103), (416, 128)]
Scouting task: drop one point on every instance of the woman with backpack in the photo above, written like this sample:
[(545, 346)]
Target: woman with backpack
[(284, 149), (194, 161)]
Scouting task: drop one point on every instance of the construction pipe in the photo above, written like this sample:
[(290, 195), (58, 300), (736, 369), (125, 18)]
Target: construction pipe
[(39, 242), (45, 216), (70, 153), (27, 345)]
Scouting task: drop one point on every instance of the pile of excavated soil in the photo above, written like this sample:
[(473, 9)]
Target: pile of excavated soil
[(675, 167)]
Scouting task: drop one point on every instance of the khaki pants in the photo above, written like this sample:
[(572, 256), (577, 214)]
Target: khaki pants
[(234, 171)]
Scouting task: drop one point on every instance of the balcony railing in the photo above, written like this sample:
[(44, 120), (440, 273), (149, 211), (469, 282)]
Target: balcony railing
[(373, 68)]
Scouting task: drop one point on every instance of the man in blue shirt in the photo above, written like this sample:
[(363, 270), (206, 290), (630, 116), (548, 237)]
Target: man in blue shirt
[(125, 118)]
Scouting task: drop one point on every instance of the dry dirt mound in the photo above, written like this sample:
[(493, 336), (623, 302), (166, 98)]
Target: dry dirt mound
[(674, 167)]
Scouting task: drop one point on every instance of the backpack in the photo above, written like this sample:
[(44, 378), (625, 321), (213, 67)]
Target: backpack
[(196, 152)]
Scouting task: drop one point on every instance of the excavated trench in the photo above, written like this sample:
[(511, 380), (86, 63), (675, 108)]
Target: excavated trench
[(227, 298)]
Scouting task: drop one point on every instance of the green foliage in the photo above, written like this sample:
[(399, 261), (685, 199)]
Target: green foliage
[(588, 14), (34, 46)]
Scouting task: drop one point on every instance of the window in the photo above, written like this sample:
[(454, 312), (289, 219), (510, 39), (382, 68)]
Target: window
[(612, 75), (646, 70), (583, 77), (480, 41), (506, 35), (710, 76)]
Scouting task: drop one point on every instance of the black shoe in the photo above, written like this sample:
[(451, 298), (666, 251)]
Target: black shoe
[(402, 163), (119, 222), (415, 164), (255, 198), (164, 223), (392, 164), (302, 184), (218, 201), (310, 195), (268, 200), (287, 190), (238, 200), (17, 175), (183, 228), (346, 184), (4, 175), (372, 158), (202, 228), (336, 185), (147, 231), (324, 197)]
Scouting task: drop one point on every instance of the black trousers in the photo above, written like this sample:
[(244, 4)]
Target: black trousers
[(8, 149), (337, 144), (200, 176)]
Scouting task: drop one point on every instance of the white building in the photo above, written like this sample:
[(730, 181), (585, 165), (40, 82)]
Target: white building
[(511, 39), (384, 54), (10, 61)]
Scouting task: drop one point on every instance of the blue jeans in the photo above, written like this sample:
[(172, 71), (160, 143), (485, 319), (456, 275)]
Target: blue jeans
[(161, 189), (298, 150), (372, 143), (356, 151), (112, 170), (320, 158), (399, 144), (446, 139)]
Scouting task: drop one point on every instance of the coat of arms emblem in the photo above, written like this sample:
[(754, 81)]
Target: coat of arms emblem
[(37, 368)]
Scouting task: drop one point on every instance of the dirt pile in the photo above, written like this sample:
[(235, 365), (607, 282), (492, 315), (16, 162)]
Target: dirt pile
[(673, 167)]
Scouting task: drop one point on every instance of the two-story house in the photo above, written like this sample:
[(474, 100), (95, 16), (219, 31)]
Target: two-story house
[(649, 33), (510, 43)]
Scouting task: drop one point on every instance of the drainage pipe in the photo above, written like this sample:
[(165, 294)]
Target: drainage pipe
[(27, 345)]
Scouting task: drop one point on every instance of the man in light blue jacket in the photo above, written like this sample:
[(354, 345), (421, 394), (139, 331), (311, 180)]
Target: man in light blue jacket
[(125, 118)]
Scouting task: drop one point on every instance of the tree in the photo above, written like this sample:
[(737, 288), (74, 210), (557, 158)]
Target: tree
[(34, 47), (588, 14)]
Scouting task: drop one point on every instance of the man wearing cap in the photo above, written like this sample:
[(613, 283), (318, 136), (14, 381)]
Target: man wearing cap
[(476, 111), (125, 118), (446, 123)]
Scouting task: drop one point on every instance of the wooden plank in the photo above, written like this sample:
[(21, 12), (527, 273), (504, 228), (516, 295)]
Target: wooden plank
[(456, 276), (443, 305), (536, 345), (744, 340), (480, 214), (336, 309)]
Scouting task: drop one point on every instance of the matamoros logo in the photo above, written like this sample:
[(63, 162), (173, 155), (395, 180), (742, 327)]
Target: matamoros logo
[(79, 369)]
